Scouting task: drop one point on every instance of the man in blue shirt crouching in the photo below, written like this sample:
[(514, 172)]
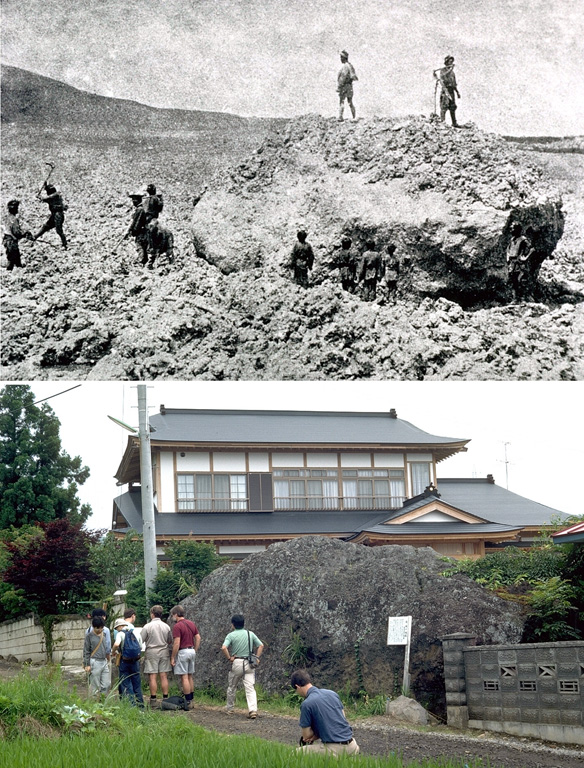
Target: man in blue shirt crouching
[(322, 719)]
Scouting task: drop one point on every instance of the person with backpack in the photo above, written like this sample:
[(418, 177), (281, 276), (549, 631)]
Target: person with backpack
[(185, 644), (129, 647)]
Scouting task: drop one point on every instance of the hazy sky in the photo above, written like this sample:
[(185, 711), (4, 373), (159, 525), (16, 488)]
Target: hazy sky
[(519, 62), (541, 421)]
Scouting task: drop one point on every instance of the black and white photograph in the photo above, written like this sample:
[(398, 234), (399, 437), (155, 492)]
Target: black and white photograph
[(260, 190)]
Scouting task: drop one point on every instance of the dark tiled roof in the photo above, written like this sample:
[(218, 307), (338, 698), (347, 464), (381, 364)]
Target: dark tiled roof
[(491, 502), (289, 427), (281, 522), (454, 528)]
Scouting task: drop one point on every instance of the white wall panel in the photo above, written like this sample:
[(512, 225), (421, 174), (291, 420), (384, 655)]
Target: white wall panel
[(193, 462), (259, 462), (166, 492), (321, 459), (355, 459), (388, 459), (228, 462), (288, 459), (419, 457)]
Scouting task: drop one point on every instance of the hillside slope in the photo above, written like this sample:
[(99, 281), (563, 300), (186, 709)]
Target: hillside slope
[(32, 99)]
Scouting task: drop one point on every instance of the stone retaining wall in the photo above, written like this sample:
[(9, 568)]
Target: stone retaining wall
[(24, 640), (536, 689)]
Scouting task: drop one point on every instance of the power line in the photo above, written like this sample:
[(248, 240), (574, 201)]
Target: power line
[(57, 395)]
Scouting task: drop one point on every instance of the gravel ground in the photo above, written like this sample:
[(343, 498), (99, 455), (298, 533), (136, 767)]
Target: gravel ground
[(376, 737)]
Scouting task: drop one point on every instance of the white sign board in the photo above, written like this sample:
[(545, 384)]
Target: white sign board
[(398, 630)]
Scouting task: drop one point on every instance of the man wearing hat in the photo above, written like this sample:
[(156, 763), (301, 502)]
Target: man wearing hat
[(13, 232), (345, 80), (129, 667), (137, 228), (447, 80), (301, 259)]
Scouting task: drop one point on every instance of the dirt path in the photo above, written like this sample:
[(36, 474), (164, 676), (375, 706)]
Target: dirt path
[(376, 737)]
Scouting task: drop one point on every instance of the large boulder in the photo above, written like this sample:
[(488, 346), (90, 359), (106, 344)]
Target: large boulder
[(324, 604), (446, 197)]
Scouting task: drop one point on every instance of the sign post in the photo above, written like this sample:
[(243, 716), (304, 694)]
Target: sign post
[(399, 632)]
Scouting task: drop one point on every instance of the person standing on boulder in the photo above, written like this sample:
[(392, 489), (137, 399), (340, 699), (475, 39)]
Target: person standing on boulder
[(447, 80), (325, 729), (371, 271), (137, 228), (345, 79), (302, 259), (237, 648), (57, 210), (13, 232)]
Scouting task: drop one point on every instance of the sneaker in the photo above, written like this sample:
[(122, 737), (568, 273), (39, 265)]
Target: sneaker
[(252, 715)]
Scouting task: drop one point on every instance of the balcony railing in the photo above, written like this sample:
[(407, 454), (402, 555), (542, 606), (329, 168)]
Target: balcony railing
[(213, 505), (324, 503)]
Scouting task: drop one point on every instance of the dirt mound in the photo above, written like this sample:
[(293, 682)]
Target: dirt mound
[(445, 197)]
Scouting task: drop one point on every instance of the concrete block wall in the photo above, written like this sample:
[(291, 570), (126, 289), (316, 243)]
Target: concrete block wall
[(68, 639), (24, 639), (535, 689)]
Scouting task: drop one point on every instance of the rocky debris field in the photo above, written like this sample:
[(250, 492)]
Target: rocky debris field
[(93, 312)]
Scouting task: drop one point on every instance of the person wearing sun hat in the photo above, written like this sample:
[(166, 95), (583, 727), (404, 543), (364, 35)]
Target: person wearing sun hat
[(129, 649)]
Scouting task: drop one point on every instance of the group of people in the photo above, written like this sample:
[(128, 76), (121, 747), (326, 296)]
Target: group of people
[(14, 232), (359, 272), (164, 648), (150, 237)]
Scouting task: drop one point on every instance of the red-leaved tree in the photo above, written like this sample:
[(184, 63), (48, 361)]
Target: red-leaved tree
[(54, 570)]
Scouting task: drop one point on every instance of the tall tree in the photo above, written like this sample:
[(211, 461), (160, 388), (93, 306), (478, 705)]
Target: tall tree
[(53, 571), (38, 480)]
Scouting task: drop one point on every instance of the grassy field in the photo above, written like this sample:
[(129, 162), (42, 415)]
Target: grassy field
[(43, 724)]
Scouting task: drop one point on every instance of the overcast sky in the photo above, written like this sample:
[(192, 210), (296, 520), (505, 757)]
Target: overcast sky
[(518, 62), (541, 421)]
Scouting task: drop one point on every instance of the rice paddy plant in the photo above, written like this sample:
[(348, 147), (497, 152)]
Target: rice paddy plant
[(175, 742)]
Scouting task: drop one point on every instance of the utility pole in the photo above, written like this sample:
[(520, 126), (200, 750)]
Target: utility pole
[(148, 527)]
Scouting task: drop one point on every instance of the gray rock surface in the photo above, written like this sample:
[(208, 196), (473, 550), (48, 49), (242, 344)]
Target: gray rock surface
[(406, 710), (446, 198), (330, 602)]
